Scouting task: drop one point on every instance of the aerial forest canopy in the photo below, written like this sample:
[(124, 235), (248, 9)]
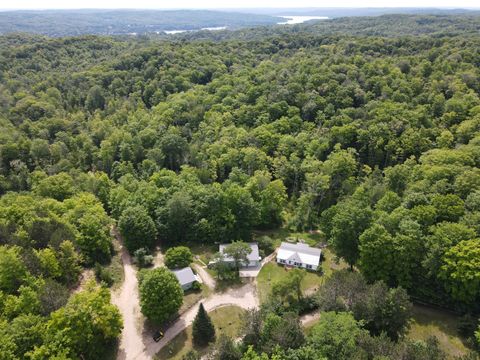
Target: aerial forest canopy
[(372, 137)]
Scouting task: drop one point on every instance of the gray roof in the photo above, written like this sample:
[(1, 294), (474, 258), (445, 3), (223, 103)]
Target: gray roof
[(300, 253), (185, 276), (301, 248), (253, 256)]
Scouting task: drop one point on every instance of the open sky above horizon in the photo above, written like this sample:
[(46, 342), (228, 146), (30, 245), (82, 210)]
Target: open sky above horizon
[(217, 4)]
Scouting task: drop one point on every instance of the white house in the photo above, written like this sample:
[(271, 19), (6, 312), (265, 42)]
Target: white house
[(253, 258), (185, 277), (299, 255)]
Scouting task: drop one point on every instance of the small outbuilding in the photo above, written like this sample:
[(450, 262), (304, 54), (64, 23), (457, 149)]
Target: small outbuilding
[(299, 255), (185, 277)]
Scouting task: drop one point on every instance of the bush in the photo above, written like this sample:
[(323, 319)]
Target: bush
[(142, 257), (266, 244), (196, 286), (178, 257), (191, 355), (307, 304), (104, 275)]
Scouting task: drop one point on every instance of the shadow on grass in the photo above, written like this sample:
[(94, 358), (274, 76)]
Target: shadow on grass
[(174, 347), (444, 320), (443, 324)]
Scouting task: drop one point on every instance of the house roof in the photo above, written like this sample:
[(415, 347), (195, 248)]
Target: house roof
[(185, 276), (299, 252), (253, 256)]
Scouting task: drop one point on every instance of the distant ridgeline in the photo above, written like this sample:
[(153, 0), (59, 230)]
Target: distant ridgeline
[(389, 25), (122, 22)]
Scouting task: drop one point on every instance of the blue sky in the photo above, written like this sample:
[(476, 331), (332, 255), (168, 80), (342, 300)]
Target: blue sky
[(211, 4)]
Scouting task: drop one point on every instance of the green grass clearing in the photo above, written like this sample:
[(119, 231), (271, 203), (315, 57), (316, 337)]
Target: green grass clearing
[(227, 320), (432, 322), (282, 234), (272, 272)]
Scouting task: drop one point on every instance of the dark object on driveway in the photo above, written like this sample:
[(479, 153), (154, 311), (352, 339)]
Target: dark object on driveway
[(157, 336)]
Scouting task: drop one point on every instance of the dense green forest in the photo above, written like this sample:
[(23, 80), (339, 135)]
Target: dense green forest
[(124, 22), (371, 137)]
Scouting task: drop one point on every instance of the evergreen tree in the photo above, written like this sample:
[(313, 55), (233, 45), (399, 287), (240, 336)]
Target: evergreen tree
[(203, 330)]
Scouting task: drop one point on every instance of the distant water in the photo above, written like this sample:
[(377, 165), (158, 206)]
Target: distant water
[(300, 19), (173, 32), (290, 20)]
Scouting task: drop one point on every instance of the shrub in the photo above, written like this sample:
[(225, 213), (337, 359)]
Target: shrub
[(178, 257), (142, 257), (196, 286), (266, 244), (103, 274)]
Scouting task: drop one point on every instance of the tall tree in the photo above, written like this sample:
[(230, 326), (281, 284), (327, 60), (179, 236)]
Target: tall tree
[(238, 251), (203, 331), (137, 228), (71, 333), (160, 294), (349, 221)]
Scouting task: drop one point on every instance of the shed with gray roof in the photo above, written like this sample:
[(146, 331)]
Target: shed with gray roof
[(185, 277)]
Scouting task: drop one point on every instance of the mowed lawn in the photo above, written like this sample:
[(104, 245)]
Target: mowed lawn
[(428, 322), (272, 272), (227, 320)]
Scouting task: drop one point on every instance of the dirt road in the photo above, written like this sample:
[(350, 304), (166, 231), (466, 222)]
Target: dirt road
[(137, 344), (245, 297), (205, 276), (126, 298)]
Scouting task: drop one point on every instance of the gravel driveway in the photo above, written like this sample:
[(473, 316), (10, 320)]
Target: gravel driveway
[(137, 344), (244, 297)]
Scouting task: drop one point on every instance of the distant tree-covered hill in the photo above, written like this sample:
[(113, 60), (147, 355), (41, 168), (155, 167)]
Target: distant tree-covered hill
[(118, 22), (392, 25)]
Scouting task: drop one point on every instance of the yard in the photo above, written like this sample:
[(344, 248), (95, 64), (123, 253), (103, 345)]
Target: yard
[(272, 272), (191, 297), (279, 235), (227, 320), (432, 322)]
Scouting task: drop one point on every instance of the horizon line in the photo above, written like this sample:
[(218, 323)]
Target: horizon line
[(247, 8)]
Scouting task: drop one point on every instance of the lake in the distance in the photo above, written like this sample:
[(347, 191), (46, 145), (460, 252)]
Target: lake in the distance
[(291, 20), (173, 32)]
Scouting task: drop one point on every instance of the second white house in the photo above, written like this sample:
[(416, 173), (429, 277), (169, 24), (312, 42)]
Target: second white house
[(299, 255)]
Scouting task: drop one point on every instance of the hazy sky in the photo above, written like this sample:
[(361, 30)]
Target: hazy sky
[(177, 4)]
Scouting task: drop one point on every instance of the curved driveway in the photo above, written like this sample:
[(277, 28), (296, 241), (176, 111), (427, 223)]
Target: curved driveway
[(244, 297), (137, 344)]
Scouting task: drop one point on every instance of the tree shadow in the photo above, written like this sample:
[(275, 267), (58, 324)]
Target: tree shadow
[(445, 321)]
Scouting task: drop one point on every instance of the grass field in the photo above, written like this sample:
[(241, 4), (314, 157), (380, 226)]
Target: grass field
[(279, 235), (272, 272), (227, 320), (432, 322)]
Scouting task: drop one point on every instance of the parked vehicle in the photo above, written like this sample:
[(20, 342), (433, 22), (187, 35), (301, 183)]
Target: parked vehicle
[(158, 335)]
